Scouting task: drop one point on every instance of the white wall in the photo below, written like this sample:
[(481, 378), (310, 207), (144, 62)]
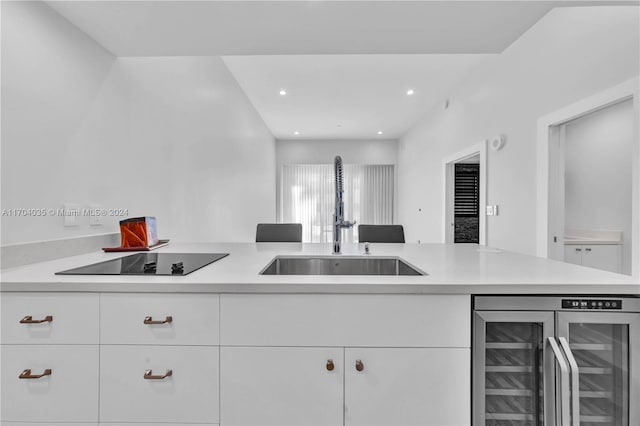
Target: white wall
[(52, 75), (374, 151), (171, 137), (218, 170), (598, 165), (568, 55), (378, 151)]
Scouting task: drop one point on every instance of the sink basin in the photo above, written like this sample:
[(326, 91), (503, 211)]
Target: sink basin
[(339, 265)]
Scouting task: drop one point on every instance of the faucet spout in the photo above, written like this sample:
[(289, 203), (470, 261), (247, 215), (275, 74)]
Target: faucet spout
[(338, 216)]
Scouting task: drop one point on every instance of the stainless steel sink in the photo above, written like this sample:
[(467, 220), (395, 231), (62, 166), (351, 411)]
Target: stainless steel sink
[(339, 265)]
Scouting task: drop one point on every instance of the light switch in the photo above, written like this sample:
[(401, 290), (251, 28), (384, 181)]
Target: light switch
[(492, 210)]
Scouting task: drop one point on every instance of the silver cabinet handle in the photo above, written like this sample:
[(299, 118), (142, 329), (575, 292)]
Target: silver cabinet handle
[(565, 419), (575, 382)]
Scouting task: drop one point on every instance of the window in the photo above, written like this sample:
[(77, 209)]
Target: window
[(308, 197)]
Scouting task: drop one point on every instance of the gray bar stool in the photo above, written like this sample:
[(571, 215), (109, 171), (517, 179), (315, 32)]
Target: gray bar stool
[(381, 233), (279, 233)]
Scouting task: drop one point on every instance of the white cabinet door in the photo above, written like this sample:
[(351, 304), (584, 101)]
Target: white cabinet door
[(188, 395), (413, 386), (69, 394), (602, 256), (281, 386), (573, 254), (599, 256)]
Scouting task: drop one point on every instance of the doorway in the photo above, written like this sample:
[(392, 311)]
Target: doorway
[(465, 196), (598, 148), (588, 188), (466, 201)]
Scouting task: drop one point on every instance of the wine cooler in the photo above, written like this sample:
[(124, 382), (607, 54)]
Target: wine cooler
[(556, 361)]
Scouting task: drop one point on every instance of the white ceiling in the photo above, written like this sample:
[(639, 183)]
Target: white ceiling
[(346, 96), (169, 28), (345, 64)]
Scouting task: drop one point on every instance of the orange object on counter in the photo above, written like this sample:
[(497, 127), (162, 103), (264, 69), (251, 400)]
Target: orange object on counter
[(138, 232)]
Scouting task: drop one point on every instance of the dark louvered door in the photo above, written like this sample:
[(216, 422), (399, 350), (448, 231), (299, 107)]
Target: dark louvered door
[(467, 203)]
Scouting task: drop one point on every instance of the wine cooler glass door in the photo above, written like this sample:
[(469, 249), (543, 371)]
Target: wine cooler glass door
[(606, 349), (513, 385)]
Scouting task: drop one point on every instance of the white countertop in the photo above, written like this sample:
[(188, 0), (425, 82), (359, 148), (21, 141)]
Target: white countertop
[(590, 241), (451, 269)]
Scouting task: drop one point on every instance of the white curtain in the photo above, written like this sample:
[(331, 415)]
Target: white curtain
[(307, 197)]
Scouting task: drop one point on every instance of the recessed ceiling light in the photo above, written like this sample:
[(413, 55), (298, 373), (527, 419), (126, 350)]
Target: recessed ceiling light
[(379, 132), (283, 92), (296, 133), (410, 92)]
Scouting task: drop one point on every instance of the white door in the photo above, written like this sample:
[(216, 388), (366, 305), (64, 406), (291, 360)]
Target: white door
[(281, 386), (407, 386)]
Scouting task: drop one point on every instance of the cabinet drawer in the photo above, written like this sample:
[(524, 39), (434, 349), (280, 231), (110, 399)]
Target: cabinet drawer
[(189, 395), (68, 394), (73, 318), (194, 319), (345, 320)]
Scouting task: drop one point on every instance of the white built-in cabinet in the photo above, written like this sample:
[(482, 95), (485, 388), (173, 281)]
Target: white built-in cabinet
[(112, 359), (345, 360), (50, 357), (607, 257), (208, 359), (159, 358)]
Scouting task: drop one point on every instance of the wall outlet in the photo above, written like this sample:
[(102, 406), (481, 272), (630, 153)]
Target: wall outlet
[(71, 214), (492, 210), (95, 215)]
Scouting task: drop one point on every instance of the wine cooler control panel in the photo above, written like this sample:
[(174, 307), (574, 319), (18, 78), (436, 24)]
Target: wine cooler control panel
[(591, 304)]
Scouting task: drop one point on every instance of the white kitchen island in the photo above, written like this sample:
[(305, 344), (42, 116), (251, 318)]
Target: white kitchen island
[(451, 269), (225, 345)]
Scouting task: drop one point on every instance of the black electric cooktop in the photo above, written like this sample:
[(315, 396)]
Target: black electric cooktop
[(149, 264)]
